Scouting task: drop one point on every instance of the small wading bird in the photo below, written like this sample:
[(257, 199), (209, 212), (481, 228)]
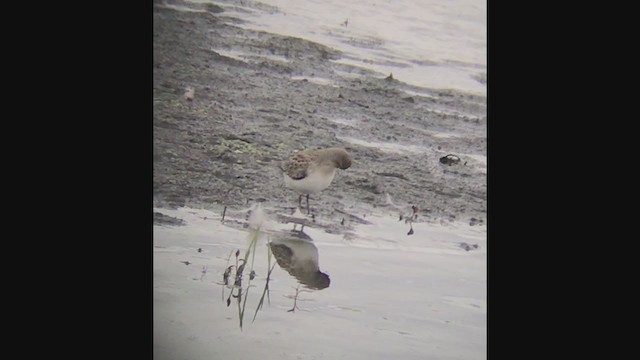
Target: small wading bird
[(312, 171)]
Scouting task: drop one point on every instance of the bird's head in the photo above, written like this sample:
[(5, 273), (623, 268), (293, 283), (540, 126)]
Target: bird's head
[(342, 159)]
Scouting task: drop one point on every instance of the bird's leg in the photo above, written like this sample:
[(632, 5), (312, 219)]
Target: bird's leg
[(308, 208)]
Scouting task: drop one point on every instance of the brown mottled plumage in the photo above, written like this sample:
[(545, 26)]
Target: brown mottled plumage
[(296, 167), (312, 171)]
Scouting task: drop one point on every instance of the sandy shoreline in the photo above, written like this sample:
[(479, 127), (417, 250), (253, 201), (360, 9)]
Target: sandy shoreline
[(229, 105)]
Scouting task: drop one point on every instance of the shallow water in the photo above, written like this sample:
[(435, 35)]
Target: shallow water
[(390, 295), (429, 43)]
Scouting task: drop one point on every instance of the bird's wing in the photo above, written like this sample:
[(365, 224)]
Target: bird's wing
[(296, 167)]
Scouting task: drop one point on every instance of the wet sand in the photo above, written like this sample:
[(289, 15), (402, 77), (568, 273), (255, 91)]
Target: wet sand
[(231, 103)]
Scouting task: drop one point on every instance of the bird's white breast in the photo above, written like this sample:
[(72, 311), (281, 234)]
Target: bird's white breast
[(314, 182)]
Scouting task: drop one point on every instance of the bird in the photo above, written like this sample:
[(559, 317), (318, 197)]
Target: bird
[(312, 171)]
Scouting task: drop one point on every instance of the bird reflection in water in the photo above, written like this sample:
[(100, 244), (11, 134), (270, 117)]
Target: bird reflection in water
[(296, 253)]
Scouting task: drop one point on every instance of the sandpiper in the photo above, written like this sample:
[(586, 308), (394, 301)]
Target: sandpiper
[(312, 171)]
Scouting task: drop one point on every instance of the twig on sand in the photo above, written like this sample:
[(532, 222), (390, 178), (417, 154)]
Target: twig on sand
[(354, 217)]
